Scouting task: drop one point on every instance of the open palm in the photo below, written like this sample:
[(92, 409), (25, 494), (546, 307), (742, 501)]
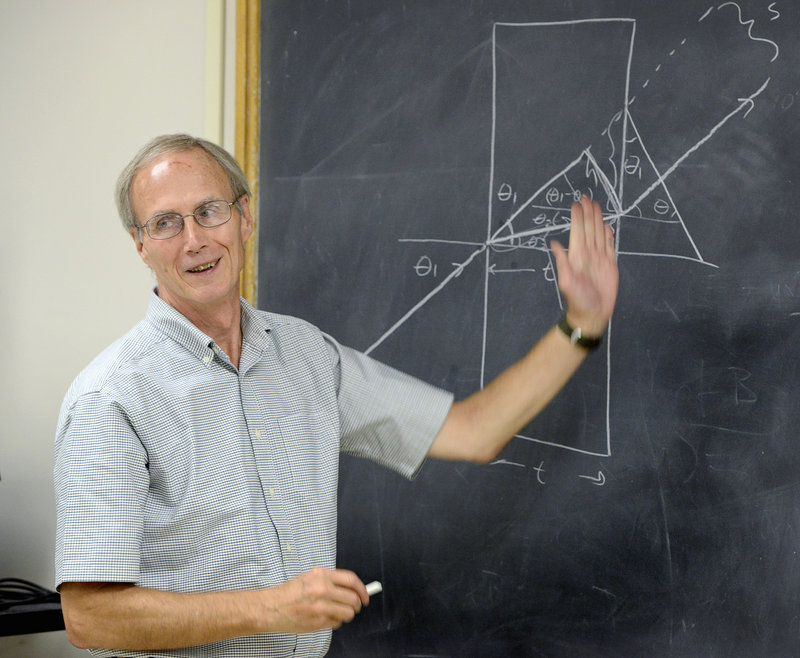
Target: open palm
[(587, 272)]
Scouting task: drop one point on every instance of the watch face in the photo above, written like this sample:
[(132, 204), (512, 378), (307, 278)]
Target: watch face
[(575, 336)]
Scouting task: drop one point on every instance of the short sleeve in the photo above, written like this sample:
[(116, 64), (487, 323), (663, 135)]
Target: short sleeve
[(101, 482), (386, 415)]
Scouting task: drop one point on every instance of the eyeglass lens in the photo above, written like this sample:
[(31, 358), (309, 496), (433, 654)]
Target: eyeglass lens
[(207, 215)]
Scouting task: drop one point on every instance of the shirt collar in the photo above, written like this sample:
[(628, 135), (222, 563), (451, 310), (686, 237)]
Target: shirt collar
[(255, 327)]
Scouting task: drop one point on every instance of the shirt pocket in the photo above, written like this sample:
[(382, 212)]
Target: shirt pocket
[(311, 446)]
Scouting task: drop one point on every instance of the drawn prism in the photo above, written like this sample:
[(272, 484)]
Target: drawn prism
[(529, 204), (649, 223)]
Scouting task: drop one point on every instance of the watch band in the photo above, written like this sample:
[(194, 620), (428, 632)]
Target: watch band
[(576, 337)]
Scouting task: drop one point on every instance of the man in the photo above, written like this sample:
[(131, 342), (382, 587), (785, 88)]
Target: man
[(196, 457)]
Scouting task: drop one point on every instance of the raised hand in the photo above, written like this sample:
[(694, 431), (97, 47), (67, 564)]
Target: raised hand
[(587, 273)]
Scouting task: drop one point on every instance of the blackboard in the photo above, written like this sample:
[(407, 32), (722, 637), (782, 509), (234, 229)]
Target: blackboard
[(416, 159)]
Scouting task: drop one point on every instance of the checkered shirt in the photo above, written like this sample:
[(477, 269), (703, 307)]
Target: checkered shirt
[(176, 471)]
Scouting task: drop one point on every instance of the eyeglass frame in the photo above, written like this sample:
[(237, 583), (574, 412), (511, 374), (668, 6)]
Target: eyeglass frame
[(141, 227)]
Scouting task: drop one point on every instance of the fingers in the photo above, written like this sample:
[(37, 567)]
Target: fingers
[(587, 273), (588, 231), (577, 229), (587, 228), (599, 227), (348, 583), (343, 590), (583, 216), (325, 598), (562, 263)]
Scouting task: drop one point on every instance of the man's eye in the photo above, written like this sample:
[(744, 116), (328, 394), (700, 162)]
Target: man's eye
[(209, 210), (164, 222)]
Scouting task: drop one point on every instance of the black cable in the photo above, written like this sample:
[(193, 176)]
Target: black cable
[(15, 591)]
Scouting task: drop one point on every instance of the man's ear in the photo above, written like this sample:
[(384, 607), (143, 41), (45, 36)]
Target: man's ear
[(246, 224), (134, 233)]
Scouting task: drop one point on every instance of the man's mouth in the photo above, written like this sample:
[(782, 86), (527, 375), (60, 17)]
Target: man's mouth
[(204, 267)]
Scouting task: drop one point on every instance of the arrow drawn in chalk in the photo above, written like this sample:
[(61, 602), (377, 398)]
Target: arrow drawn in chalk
[(747, 101), (599, 481), (504, 461), (494, 270)]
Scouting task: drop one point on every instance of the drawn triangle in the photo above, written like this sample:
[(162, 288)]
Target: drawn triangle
[(521, 244), (651, 223), (546, 213)]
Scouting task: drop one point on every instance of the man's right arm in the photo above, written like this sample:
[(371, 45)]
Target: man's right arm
[(125, 616)]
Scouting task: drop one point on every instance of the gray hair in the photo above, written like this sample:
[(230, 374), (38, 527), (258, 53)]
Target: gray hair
[(173, 144)]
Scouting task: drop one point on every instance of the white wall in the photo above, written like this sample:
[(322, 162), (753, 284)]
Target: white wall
[(84, 84)]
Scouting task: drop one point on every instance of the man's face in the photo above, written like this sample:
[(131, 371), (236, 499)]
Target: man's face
[(197, 270)]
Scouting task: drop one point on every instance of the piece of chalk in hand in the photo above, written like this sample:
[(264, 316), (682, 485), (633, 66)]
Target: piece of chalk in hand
[(374, 588)]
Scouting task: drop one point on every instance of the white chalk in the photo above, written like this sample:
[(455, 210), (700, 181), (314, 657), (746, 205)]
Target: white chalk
[(374, 588)]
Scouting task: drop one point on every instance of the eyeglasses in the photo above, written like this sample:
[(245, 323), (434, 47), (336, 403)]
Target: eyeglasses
[(169, 224)]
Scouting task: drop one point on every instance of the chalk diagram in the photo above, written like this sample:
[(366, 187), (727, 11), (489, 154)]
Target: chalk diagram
[(620, 173)]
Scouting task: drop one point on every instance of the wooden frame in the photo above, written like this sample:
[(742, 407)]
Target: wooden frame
[(248, 112)]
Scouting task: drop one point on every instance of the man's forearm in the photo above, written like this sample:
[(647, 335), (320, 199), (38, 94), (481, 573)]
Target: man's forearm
[(124, 616), (478, 427)]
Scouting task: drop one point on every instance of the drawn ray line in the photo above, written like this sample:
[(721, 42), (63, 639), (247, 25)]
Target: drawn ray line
[(676, 256), (456, 272), (494, 270), (660, 181), (533, 196), (415, 93), (442, 241), (660, 220), (460, 267), (661, 177), (608, 186), (603, 181), (556, 228)]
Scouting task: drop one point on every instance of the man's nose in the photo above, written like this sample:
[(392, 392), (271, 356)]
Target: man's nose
[(193, 234)]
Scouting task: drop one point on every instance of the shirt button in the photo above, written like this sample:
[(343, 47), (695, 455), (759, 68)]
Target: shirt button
[(288, 548), (206, 359), (258, 434), (271, 492)]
